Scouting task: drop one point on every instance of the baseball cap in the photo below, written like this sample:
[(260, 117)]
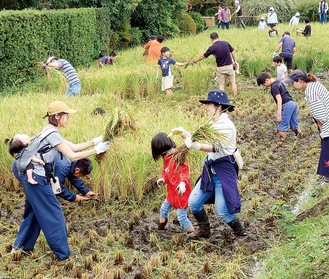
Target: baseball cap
[(58, 107), (295, 76)]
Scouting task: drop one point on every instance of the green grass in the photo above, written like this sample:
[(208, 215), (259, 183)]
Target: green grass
[(115, 238)]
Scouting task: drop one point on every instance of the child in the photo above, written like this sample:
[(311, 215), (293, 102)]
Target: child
[(281, 69), (286, 114), (107, 60), (167, 74), (273, 32), (177, 181), (262, 23), (16, 145), (307, 30)]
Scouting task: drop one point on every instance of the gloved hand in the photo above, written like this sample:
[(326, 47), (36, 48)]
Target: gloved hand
[(181, 188), (102, 147), (186, 65), (160, 182), (274, 54), (44, 66), (98, 140), (192, 145), (176, 131)]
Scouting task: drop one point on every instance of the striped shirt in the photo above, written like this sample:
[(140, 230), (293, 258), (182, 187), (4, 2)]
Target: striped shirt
[(69, 71), (317, 97)]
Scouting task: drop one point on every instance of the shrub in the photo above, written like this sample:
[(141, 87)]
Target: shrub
[(186, 24), (197, 17)]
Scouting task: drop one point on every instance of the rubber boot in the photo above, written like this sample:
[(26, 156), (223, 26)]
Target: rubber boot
[(237, 227), (161, 226), (204, 225)]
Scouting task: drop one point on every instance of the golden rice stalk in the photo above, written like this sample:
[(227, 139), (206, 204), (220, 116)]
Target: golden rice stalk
[(204, 133), (119, 123), (53, 73)]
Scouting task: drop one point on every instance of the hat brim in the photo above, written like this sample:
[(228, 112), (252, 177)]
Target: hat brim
[(207, 102), (288, 80)]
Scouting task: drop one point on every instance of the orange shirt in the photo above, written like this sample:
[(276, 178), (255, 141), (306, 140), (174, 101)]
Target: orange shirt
[(154, 51)]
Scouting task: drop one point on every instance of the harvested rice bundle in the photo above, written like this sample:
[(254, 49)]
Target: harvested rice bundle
[(53, 73), (204, 133)]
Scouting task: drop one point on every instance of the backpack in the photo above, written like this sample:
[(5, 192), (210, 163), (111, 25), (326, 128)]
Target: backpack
[(23, 158)]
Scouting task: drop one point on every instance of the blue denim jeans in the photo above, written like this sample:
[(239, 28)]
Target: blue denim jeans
[(289, 117), (181, 214), (73, 90), (198, 197), (323, 18)]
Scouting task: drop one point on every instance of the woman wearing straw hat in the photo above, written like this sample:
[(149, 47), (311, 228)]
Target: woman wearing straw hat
[(219, 179), (42, 209)]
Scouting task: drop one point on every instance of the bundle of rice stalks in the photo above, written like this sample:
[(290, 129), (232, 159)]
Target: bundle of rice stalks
[(52, 73), (119, 123), (204, 133)]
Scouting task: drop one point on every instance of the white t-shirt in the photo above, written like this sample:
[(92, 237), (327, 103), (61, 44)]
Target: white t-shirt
[(281, 72)]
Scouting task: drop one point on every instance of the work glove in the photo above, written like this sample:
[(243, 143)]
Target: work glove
[(192, 145), (274, 54), (160, 182), (186, 65), (44, 66), (176, 131), (98, 140), (102, 147), (181, 188)]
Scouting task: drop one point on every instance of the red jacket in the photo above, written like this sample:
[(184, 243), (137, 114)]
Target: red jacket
[(172, 178)]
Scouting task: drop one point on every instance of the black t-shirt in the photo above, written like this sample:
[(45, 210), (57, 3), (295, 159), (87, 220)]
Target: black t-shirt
[(277, 88), (307, 30), (222, 51)]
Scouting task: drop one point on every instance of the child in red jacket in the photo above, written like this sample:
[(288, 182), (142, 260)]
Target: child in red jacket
[(177, 181)]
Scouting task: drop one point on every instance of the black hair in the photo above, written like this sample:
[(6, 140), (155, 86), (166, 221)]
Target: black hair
[(15, 146), (227, 108), (153, 37), (164, 49), (161, 144), (112, 54), (85, 166), (214, 36), (306, 20), (98, 111), (160, 39), (262, 77), (277, 59)]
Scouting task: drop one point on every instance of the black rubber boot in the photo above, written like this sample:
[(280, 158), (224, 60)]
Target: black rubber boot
[(204, 225), (237, 227), (161, 226)]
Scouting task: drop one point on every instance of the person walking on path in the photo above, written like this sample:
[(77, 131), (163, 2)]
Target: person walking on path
[(218, 182), (317, 98), (177, 180), (225, 60), (286, 113), (42, 209), (288, 48), (70, 73), (238, 13)]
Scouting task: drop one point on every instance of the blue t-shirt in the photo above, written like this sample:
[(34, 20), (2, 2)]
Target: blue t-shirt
[(165, 64), (106, 60), (278, 88), (288, 45)]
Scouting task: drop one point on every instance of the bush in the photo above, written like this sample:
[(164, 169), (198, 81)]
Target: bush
[(186, 24), (197, 17)]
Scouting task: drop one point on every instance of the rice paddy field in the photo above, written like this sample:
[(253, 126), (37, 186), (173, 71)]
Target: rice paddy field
[(116, 236)]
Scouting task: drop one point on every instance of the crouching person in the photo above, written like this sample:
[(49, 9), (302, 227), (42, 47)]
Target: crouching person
[(219, 178)]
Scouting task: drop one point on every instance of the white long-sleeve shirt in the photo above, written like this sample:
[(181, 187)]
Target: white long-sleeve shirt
[(317, 97)]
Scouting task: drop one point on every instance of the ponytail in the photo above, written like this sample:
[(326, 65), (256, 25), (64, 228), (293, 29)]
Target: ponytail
[(310, 78)]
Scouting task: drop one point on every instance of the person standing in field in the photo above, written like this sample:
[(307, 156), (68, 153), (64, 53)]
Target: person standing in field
[(323, 9), (164, 66), (238, 12), (286, 113), (281, 69), (317, 98), (262, 24), (272, 22), (218, 182), (70, 73), (226, 17), (295, 19), (288, 48), (177, 180), (225, 60), (219, 15), (153, 48), (42, 209)]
